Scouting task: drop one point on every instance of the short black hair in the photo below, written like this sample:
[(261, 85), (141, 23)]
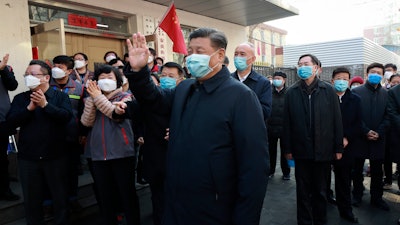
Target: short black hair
[(226, 60), (162, 60), (280, 74), (394, 75), (218, 39), (81, 53), (372, 65), (391, 65), (105, 55), (65, 60), (153, 51), (108, 69), (341, 70), (181, 73), (44, 67), (314, 59), (126, 55)]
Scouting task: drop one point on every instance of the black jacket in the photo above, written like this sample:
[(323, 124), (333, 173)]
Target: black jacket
[(7, 83), (262, 87), (275, 121), (394, 116), (217, 159), (43, 131), (374, 117), (350, 106), (313, 123)]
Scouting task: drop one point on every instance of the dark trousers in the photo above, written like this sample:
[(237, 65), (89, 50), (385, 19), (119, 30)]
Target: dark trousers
[(119, 173), (4, 179), (343, 187), (388, 164), (33, 175), (376, 179), (311, 188), (73, 169), (273, 152), (139, 168), (157, 199), (73, 161)]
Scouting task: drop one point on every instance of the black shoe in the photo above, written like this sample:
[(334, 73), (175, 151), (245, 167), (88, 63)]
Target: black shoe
[(356, 202), (331, 199), (286, 177), (349, 217), (380, 204), (75, 206), (9, 196)]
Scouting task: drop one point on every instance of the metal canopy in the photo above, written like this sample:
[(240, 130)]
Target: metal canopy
[(242, 12)]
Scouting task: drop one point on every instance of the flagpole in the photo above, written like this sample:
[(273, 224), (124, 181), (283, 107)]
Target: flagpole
[(165, 14)]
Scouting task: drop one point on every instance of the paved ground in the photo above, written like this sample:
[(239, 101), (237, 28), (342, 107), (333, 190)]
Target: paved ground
[(280, 206)]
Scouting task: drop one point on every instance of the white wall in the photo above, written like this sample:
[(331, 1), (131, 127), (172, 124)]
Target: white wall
[(15, 38), (236, 34)]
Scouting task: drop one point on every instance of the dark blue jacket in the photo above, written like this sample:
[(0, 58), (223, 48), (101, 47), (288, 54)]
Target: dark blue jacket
[(313, 123), (394, 116), (43, 131), (217, 159), (350, 106), (262, 87), (7, 83), (374, 117)]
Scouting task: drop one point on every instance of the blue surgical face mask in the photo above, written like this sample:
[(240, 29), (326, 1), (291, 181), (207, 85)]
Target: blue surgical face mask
[(277, 83), (198, 64), (341, 85), (304, 72), (167, 82), (374, 78), (240, 63)]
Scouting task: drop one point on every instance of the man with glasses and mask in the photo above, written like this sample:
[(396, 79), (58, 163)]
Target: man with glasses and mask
[(313, 137), (42, 114), (217, 160)]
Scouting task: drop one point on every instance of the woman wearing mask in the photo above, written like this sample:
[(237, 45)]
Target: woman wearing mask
[(110, 143), (81, 71)]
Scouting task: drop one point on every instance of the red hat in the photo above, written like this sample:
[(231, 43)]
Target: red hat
[(356, 79)]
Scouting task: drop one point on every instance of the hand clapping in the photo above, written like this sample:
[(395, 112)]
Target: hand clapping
[(4, 62), (93, 89)]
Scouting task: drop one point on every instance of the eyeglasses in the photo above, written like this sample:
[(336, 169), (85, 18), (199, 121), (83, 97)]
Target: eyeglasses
[(39, 74), (119, 67)]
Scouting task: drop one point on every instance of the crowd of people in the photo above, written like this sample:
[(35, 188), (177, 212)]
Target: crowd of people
[(204, 139)]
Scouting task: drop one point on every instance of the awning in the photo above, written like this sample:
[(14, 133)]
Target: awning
[(242, 12)]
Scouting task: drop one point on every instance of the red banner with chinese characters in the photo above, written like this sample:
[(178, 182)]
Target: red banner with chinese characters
[(82, 21)]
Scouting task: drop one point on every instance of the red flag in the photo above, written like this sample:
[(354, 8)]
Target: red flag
[(170, 24)]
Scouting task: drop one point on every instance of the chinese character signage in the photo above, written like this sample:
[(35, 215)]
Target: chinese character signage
[(82, 21)]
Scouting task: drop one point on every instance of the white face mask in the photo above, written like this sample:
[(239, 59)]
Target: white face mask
[(107, 85), (31, 82), (57, 73), (388, 74), (79, 64), (110, 57), (150, 59)]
